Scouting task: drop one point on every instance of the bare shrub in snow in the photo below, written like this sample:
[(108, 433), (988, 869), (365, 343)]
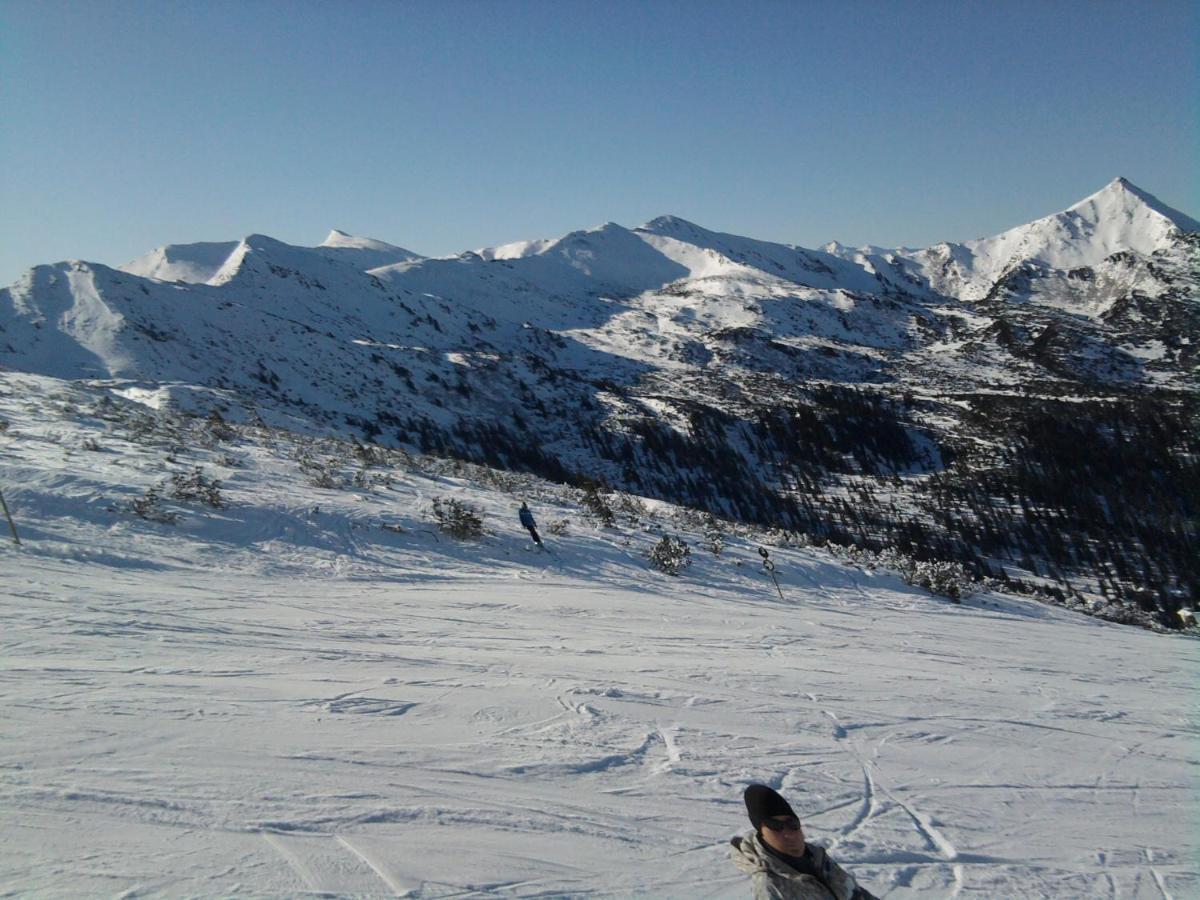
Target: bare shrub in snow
[(263, 430), (947, 579), (149, 507), (457, 519), (1128, 614), (629, 506), (369, 455), (91, 444), (106, 409), (781, 537), (319, 471), (714, 536), (942, 577), (597, 506), (146, 429), (558, 527), (215, 430), (670, 555), (195, 485)]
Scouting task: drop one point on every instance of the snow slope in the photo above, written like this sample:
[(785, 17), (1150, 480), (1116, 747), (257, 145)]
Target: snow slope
[(365, 253), (190, 263), (282, 697), (809, 268)]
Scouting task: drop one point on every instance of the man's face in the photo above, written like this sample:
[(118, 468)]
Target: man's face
[(785, 834)]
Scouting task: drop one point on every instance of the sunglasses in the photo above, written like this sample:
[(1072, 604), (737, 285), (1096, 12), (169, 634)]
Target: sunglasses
[(789, 823)]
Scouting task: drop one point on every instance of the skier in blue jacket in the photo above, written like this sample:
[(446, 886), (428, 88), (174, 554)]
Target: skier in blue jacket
[(528, 522)]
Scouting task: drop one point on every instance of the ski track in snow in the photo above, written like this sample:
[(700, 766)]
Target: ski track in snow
[(198, 710), (590, 731), (397, 886)]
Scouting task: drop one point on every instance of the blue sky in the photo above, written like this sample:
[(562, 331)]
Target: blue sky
[(448, 126)]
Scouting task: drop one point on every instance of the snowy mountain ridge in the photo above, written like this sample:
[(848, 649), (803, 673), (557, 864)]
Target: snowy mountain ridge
[(201, 263), (1108, 233), (759, 381)]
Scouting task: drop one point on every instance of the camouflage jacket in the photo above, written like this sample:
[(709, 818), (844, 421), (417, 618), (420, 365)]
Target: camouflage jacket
[(773, 879)]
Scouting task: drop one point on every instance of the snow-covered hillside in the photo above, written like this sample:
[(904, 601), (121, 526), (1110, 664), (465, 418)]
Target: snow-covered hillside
[(309, 689), (936, 401)]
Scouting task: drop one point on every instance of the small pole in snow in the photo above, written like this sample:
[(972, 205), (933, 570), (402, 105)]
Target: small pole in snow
[(770, 567), (8, 516)]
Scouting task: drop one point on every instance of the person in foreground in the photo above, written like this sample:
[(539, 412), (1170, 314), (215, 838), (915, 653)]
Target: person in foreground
[(781, 865)]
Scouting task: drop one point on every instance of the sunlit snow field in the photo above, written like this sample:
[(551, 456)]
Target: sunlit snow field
[(281, 698)]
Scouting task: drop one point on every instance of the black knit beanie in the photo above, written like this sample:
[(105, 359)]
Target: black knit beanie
[(764, 803)]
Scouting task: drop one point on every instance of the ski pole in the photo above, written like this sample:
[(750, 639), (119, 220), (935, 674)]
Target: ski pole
[(12, 526)]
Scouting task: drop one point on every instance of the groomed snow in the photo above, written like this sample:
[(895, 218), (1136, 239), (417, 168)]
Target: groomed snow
[(282, 697)]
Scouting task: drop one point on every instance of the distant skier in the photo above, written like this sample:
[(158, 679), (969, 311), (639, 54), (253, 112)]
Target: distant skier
[(781, 865), (527, 521)]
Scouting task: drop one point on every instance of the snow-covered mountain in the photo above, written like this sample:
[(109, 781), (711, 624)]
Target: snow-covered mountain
[(244, 652), (671, 292), (1119, 219), (364, 253), (202, 262), (1113, 280), (743, 376)]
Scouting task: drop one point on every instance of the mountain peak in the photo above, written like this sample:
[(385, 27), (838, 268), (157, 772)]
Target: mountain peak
[(339, 238), (1124, 198), (608, 231), (363, 252), (672, 226), (1121, 183), (259, 241), (1117, 218)]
